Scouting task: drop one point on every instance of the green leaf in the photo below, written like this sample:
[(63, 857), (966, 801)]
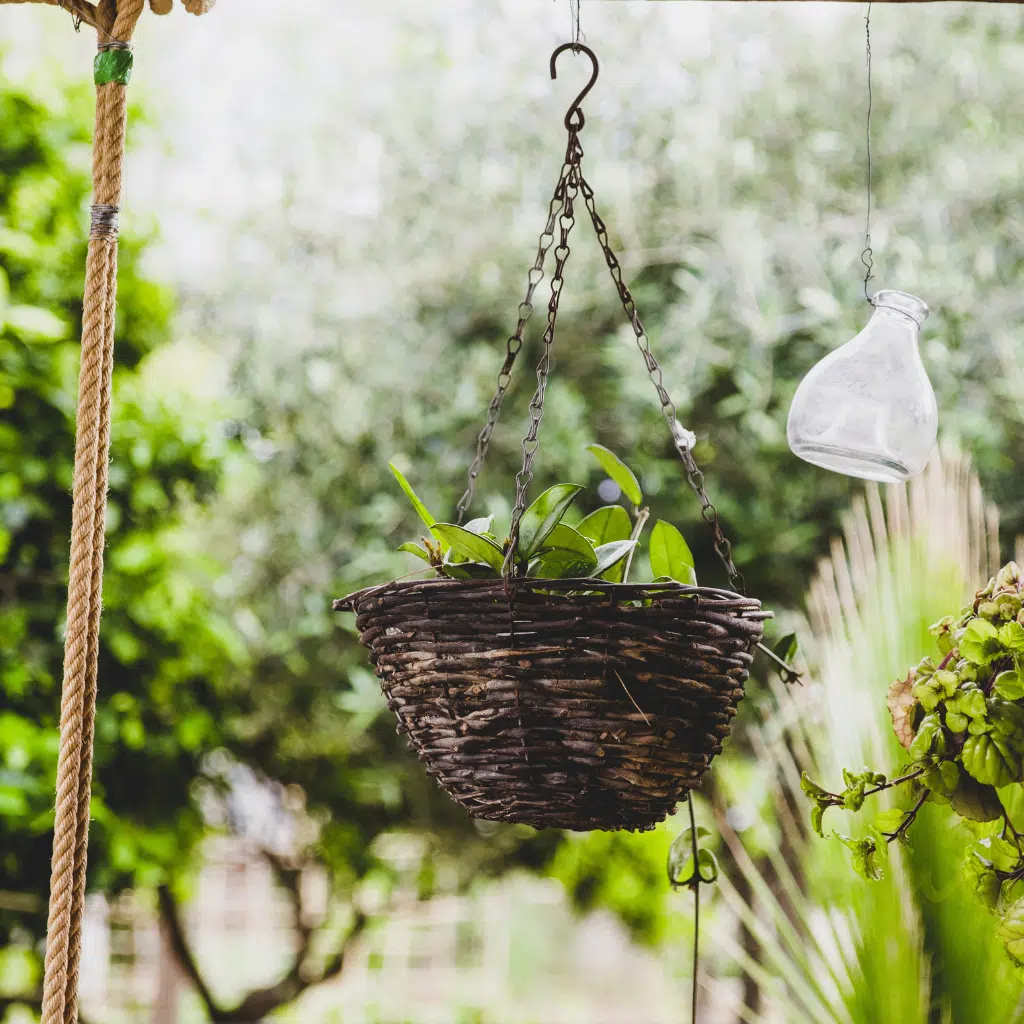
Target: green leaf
[(969, 701), (818, 818), (956, 722), (565, 538), (707, 866), (618, 471), (558, 565), (1011, 931), (543, 516), (606, 524), (415, 549), (476, 549), (1007, 720), (991, 760), (822, 798), (566, 554), (786, 648), (670, 554), (1011, 636), (611, 554), (1010, 684), (865, 856), (943, 779), (929, 739), (469, 571), (980, 643), (943, 633), (1000, 853), (702, 833), (421, 509), (813, 789), (981, 876), (889, 821), (36, 324), (680, 860)]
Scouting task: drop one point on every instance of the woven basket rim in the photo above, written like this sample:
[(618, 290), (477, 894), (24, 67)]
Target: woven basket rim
[(716, 596)]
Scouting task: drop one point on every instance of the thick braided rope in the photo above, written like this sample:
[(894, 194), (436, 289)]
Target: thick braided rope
[(103, 233), (78, 701), (92, 654)]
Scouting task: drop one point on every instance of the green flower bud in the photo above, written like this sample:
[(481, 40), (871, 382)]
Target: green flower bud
[(943, 633), (967, 672), (1008, 576), (929, 694), (989, 610)]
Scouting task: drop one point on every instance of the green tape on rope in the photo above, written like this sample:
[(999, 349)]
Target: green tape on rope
[(113, 66)]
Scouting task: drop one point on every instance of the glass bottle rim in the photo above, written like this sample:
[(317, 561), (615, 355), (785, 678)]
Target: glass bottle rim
[(902, 302)]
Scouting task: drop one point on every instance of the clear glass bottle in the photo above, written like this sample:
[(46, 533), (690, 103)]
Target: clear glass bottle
[(868, 409)]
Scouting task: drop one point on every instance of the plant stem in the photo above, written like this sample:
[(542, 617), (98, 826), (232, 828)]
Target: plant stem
[(788, 673), (642, 515), (1007, 824), (908, 819), (695, 885), (896, 782)]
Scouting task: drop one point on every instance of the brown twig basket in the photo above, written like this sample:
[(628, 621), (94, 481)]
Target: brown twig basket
[(576, 704), (553, 706)]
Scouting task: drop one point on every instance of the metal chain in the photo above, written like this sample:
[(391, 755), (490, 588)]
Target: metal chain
[(574, 154), (515, 342), (681, 438)]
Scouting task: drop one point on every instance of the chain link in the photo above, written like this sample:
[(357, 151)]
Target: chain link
[(566, 221), (571, 183), (681, 438), (515, 342)]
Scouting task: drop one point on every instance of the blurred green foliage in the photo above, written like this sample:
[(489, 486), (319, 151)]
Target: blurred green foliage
[(178, 687), (165, 646), (732, 182)]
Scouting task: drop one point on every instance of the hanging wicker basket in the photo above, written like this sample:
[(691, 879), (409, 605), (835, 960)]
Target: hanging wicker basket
[(578, 704), (560, 708)]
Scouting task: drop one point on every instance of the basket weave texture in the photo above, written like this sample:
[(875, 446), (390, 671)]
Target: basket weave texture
[(556, 708)]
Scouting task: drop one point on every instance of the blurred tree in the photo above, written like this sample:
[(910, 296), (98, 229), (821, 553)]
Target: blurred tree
[(165, 647)]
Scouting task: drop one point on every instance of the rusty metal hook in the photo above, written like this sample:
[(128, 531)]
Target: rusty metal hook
[(576, 125)]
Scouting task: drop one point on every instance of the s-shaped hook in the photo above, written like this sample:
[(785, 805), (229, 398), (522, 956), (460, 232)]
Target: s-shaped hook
[(577, 124)]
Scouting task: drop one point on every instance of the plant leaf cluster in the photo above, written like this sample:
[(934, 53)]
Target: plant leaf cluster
[(959, 713), (600, 546)]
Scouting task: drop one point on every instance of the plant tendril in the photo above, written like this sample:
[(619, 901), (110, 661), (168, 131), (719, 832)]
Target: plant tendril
[(695, 885)]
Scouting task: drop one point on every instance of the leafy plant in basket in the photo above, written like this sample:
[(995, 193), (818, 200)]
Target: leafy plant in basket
[(601, 546), (535, 684), (960, 716)]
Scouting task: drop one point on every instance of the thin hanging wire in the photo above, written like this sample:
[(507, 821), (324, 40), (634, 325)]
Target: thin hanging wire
[(695, 853), (574, 14), (867, 257)]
